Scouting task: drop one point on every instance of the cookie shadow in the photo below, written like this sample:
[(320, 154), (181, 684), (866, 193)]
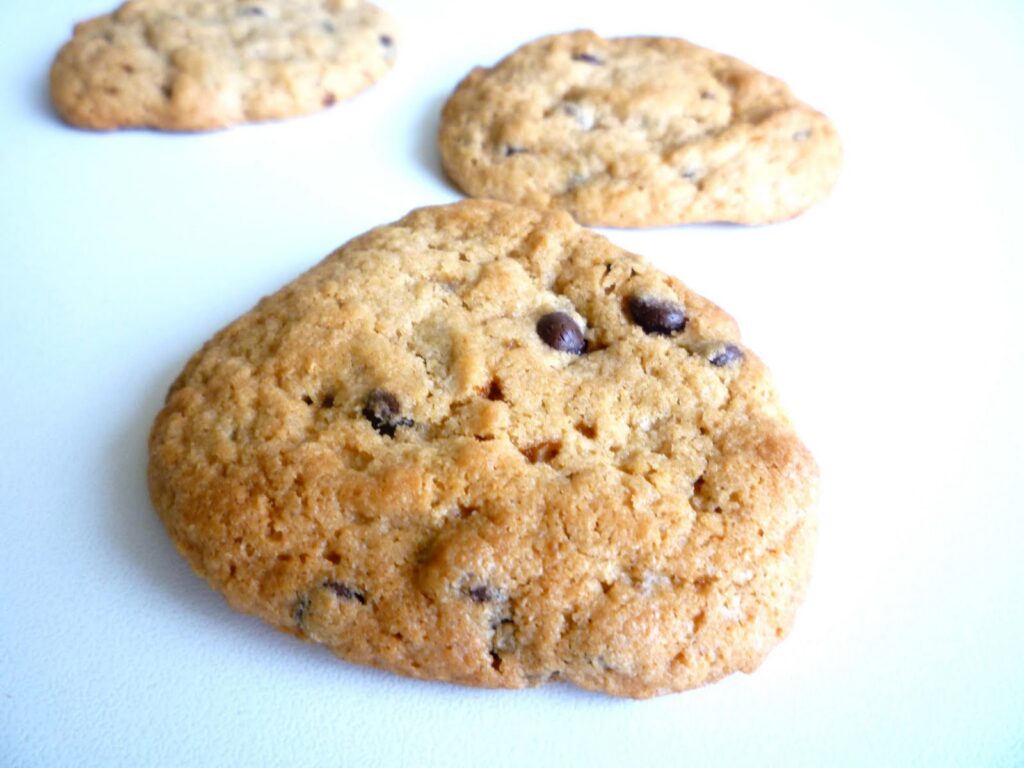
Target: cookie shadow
[(40, 99), (136, 532), (425, 150), (142, 545), (135, 529), (153, 565)]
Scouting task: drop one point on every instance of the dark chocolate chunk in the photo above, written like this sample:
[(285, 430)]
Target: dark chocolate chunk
[(589, 58), (559, 331), (329, 99), (345, 592), (383, 412), (727, 353), (481, 594), (698, 486), (511, 150), (503, 639), (589, 431), (328, 401), (657, 315), (300, 610), (545, 451), (494, 392), (386, 40)]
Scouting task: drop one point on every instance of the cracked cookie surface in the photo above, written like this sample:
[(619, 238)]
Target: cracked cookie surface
[(194, 65), (637, 131), (483, 444)]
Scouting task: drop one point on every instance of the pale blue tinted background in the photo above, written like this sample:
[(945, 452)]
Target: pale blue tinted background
[(890, 316)]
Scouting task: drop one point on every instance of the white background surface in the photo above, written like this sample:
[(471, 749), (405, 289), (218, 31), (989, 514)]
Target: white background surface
[(890, 316)]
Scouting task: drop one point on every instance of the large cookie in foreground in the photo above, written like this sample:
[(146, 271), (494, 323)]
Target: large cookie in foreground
[(485, 445), (194, 65), (637, 131)]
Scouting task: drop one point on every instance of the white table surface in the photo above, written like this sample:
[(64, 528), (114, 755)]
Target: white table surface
[(890, 315)]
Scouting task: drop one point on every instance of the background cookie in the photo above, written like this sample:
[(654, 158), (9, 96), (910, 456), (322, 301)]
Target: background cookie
[(191, 65), (485, 445), (637, 131)]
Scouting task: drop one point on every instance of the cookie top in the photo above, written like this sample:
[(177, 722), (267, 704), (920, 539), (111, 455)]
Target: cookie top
[(637, 131), (485, 445), (195, 65)]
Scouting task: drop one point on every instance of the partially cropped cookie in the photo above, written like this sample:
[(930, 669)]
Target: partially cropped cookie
[(196, 65), (485, 445), (637, 131)]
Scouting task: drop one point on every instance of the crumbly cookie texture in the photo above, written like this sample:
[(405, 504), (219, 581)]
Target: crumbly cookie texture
[(485, 445), (637, 131), (196, 65)]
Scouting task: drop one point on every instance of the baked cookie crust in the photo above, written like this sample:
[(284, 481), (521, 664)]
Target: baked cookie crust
[(485, 445), (637, 132), (198, 65)]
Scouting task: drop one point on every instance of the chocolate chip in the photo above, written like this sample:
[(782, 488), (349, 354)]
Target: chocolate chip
[(382, 410), (657, 315), (803, 135), (481, 594), (251, 10), (345, 592), (328, 401), (544, 451), (589, 58), (512, 150), (589, 431), (728, 353), (559, 331), (307, 399), (329, 99), (494, 392), (386, 40), (300, 610), (698, 486)]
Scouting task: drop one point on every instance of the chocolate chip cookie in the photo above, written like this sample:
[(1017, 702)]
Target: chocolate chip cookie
[(195, 65), (637, 131), (485, 445)]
